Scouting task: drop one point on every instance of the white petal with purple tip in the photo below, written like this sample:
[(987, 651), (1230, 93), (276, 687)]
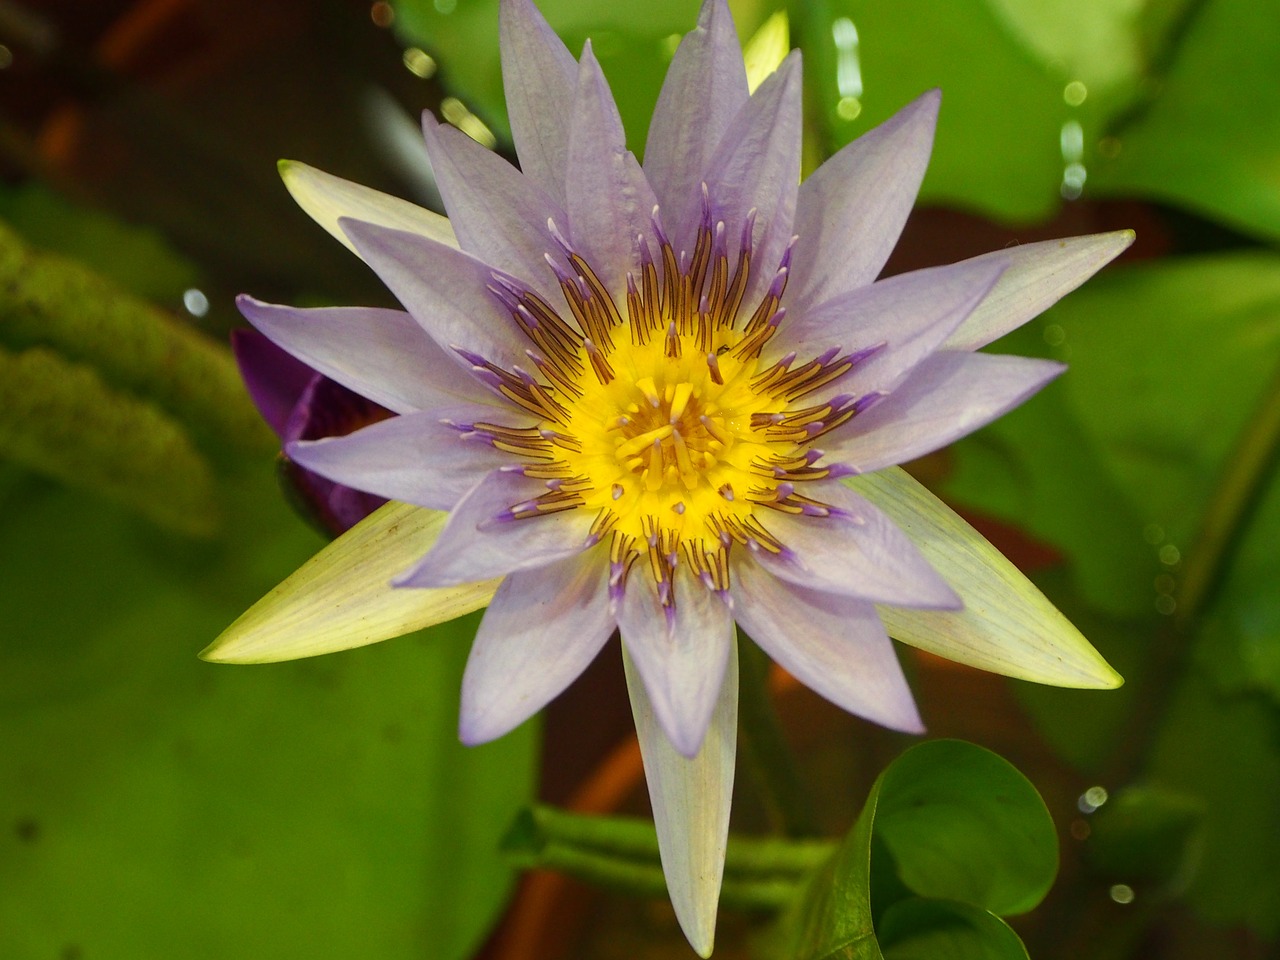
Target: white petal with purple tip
[(705, 88), (857, 551), (757, 167), (851, 210), (610, 204), (834, 645), (327, 199), (487, 535), (680, 651), (445, 290), (543, 628), (343, 598), (388, 368), (430, 458), (947, 396), (900, 320), (499, 214), (539, 76), (690, 799), (1007, 625)]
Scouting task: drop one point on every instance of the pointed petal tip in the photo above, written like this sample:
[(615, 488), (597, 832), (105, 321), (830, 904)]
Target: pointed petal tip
[(1105, 678), (686, 742), (684, 733), (698, 924), (691, 801), (212, 653), (922, 110), (472, 731), (912, 724), (711, 8), (339, 599), (229, 647)]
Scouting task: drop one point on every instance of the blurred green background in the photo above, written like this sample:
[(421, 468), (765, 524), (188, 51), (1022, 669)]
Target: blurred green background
[(152, 805)]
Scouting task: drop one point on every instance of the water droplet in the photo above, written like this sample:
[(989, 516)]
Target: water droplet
[(848, 64), (848, 108), (1092, 799), (1121, 893), (419, 63), (1074, 93), (195, 302)]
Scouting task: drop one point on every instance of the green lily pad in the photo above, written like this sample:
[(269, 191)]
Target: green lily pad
[(1009, 123), (135, 257), (1209, 138), (947, 821), (1221, 749), (156, 806), (919, 929), (1147, 836)]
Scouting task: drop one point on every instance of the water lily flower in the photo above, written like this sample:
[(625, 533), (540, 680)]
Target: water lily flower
[(661, 399)]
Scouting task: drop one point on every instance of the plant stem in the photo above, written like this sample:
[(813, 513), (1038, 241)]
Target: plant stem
[(766, 750), (760, 873)]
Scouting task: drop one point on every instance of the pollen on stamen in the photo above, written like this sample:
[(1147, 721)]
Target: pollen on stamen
[(678, 436)]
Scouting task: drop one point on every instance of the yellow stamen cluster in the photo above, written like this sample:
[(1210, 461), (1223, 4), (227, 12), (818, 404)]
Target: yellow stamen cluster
[(662, 424)]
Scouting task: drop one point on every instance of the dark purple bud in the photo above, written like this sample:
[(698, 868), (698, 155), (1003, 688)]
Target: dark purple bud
[(301, 404)]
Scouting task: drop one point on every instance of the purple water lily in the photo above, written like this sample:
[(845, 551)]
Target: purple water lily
[(660, 400)]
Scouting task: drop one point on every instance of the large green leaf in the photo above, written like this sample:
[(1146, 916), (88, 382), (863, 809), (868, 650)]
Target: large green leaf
[(963, 824), (1095, 42), (1147, 836), (1211, 138), (135, 257), (50, 302), (947, 821), (1003, 73), (60, 419), (919, 929), (158, 806), (1222, 749)]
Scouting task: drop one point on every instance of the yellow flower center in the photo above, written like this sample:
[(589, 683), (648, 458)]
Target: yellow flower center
[(662, 424)]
